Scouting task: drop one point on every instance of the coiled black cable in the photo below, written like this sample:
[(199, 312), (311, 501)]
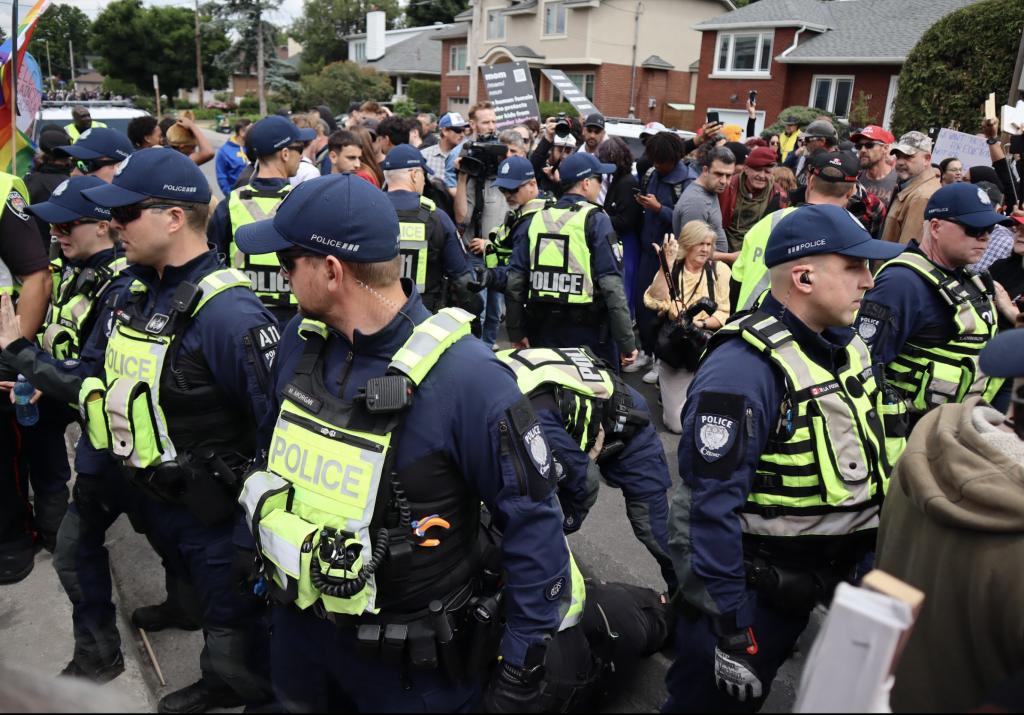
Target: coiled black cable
[(347, 588), (398, 493)]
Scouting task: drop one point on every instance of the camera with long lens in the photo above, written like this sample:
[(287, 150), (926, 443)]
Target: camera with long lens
[(563, 127), (483, 157)]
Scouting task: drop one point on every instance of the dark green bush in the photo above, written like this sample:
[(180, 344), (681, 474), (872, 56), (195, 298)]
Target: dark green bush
[(551, 109), (425, 93), (806, 115)]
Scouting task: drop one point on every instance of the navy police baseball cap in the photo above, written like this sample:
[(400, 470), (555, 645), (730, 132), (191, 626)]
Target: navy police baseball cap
[(272, 134), (99, 142), (513, 173), (577, 167), (1003, 356), (340, 215), (67, 203), (405, 156), (823, 228), (967, 203), (153, 173)]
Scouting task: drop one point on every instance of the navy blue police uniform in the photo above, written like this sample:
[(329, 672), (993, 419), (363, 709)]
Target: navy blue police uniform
[(729, 423), (454, 451), (220, 231)]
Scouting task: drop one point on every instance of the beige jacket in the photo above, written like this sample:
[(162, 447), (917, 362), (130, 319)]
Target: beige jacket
[(906, 213), (953, 526)]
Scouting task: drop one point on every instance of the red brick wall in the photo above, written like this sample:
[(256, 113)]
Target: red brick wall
[(871, 79), (450, 83)]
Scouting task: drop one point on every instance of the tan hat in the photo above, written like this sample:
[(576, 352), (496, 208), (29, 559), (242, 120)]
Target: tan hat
[(180, 136), (911, 143)]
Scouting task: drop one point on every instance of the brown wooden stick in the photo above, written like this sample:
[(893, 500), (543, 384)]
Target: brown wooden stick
[(152, 657)]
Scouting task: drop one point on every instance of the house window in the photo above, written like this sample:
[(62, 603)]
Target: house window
[(554, 18), (744, 52), (832, 94), (495, 25), (359, 51), (584, 82), (457, 59)]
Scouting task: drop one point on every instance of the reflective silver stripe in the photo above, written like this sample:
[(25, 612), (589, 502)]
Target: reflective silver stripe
[(421, 344), (256, 485), (761, 287), (571, 620), (123, 446), (51, 332), (832, 524), (285, 554), (256, 212), (553, 225)]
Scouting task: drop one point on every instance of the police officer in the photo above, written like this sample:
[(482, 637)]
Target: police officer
[(928, 316), (432, 253), (565, 276), (400, 443), (597, 425), (24, 275), (81, 122), (97, 152), (278, 144), (187, 367), (784, 465)]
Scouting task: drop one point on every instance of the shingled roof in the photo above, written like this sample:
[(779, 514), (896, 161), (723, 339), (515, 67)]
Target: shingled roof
[(417, 55)]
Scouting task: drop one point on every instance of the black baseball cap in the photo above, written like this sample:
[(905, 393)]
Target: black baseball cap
[(846, 164), (823, 228), (594, 120), (153, 173)]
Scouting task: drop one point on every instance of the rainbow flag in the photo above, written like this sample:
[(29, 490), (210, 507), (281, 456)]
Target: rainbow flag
[(24, 31), (16, 141), (27, 149)]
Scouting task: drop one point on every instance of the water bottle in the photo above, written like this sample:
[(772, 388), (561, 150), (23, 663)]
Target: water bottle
[(26, 413)]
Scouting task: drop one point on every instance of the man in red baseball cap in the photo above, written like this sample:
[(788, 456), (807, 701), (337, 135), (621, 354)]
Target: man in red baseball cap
[(876, 173), (752, 195)]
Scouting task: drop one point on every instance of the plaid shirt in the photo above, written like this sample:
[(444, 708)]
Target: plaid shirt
[(435, 159), (1000, 245)]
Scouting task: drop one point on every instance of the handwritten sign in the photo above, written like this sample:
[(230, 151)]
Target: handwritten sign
[(969, 149)]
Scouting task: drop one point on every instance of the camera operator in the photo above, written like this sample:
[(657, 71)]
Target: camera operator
[(558, 142), (479, 205)]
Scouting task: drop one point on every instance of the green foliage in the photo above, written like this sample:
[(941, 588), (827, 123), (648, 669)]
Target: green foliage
[(145, 102), (426, 93), (136, 42), (404, 108), (119, 86), (324, 23), (551, 109), (341, 82), (208, 113), (419, 13), (806, 115), (859, 116), (240, 19), (956, 64), (251, 103), (59, 24)]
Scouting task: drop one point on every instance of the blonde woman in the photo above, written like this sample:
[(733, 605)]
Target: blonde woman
[(696, 276)]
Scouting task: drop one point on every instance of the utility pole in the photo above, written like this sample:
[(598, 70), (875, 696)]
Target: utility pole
[(199, 59), (14, 88), (49, 67), (71, 54), (632, 83), (261, 91)]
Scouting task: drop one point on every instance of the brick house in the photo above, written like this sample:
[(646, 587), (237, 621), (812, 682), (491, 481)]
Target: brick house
[(809, 53), (590, 40)]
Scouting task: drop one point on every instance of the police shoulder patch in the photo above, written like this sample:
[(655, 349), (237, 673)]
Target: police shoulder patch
[(715, 435), (16, 203), (537, 449), (264, 342), (554, 588)]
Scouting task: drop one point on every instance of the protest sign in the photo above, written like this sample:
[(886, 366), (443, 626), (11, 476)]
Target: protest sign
[(570, 91), (510, 88), (969, 149)]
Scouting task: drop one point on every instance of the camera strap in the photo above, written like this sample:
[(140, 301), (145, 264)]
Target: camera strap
[(668, 279)]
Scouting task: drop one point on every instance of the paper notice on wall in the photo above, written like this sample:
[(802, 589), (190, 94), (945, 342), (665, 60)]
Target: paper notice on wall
[(510, 87), (969, 149)]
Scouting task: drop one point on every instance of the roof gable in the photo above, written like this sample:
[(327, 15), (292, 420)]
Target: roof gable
[(775, 13), (417, 55)]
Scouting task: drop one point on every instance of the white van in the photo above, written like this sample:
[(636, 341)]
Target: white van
[(115, 115), (630, 133)]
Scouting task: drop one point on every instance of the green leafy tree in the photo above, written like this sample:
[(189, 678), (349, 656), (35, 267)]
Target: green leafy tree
[(254, 43), (339, 83), (136, 42), (324, 23), (426, 93), (956, 64), (420, 13), (804, 116), (119, 86), (59, 24)]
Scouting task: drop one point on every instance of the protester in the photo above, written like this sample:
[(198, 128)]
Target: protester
[(391, 132), (876, 175), (787, 141), (820, 134), (1008, 273), (695, 276), (700, 200), (370, 167), (428, 130), (917, 183), (593, 133), (784, 178), (1000, 242), (624, 211), (951, 170), (346, 150), (185, 137), (145, 132), (307, 169), (452, 127), (751, 195), (231, 158), (773, 143)]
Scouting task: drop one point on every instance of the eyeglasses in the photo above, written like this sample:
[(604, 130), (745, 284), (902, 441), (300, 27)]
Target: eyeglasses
[(132, 212), (509, 192), (65, 227), (867, 145), (972, 231), (87, 166), (287, 258)]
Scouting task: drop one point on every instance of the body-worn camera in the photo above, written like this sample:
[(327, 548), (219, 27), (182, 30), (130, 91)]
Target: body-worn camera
[(483, 156), (562, 127)]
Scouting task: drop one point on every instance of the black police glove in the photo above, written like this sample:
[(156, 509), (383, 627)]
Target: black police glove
[(92, 499), (484, 277), (244, 578), (735, 672), (513, 690)]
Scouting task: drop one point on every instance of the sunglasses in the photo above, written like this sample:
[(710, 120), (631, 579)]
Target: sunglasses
[(867, 145), (65, 228), (509, 192), (972, 231), (87, 166), (132, 212), (287, 258)]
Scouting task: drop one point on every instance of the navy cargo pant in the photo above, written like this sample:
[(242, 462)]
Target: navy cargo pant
[(691, 679), (49, 468), (236, 651), (316, 669)]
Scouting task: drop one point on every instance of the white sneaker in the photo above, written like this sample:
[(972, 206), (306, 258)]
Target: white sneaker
[(652, 377), (642, 360)]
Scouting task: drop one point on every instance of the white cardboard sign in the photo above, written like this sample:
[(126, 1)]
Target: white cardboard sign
[(969, 149)]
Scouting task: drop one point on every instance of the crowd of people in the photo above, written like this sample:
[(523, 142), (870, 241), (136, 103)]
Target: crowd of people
[(299, 395)]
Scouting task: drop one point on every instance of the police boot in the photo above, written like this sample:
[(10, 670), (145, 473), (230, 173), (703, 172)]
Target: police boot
[(156, 618), (16, 565), (198, 698), (100, 674)]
